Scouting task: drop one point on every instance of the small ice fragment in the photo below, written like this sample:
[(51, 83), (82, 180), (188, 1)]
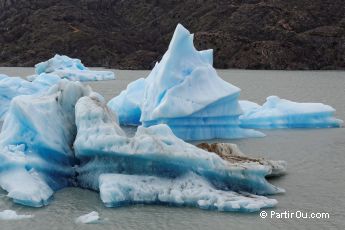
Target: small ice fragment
[(12, 215), (91, 218)]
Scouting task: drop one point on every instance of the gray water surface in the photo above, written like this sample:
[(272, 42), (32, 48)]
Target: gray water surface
[(314, 183)]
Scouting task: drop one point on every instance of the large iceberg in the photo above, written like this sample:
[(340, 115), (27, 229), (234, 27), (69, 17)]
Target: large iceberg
[(71, 69), (282, 113), (11, 87), (184, 91), (36, 142), (155, 166), (69, 137)]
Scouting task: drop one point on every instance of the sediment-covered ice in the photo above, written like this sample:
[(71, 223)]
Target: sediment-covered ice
[(11, 87), (231, 153), (187, 190), (12, 215), (282, 113), (103, 148), (71, 69), (184, 91), (36, 141), (90, 218)]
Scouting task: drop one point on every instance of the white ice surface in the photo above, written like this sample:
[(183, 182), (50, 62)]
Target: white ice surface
[(90, 218), (188, 190), (71, 69)]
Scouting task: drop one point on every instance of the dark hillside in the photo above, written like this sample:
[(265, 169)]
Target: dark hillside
[(133, 34)]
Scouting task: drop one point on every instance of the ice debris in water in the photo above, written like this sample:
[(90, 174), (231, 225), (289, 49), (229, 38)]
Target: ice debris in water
[(36, 141), (12, 215), (71, 69), (282, 113), (185, 92), (11, 87), (90, 218)]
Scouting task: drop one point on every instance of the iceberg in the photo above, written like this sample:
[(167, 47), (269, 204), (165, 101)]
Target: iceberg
[(69, 137), (282, 113), (11, 87), (184, 91), (111, 162), (36, 141), (71, 69)]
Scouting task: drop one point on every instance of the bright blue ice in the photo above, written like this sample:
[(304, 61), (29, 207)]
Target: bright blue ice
[(184, 91), (68, 137), (36, 155), (71, 69), (103, 148), (281, 113), (11, 87), (127, 104)]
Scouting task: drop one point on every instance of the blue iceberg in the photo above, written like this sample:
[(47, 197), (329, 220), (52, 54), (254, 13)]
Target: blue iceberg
[(154, 162), (282, 113), (69, 137), (36, 155), (11, 87), (184, 91), (71, 69)]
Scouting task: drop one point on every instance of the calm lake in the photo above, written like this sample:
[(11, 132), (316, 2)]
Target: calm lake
[(314, 183)]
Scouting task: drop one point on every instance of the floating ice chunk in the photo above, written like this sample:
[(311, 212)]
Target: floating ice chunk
[(188, 190), (11, 87), (127, 104), (281, 113), (35, 144), (71, 69), (102, 147), (12, 215), (90, 218)]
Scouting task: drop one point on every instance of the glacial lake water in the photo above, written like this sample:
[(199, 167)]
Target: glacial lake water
[(316, 163)]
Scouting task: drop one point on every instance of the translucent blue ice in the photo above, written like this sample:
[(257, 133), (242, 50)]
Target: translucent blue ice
[(11, 87), (127, 104), (184, 91), (71, 69), (281, 113), (68, 137), (36, 155), (103, 148)]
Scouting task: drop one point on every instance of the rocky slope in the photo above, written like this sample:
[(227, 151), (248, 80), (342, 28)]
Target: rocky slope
[(133, 34)]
